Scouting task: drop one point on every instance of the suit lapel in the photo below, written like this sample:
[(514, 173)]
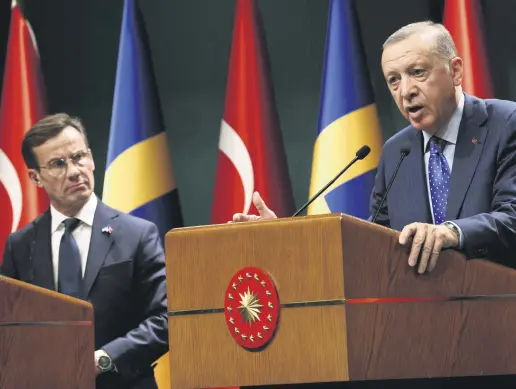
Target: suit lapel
[(414, 183), (41, 253), (470, 143), (99, 245)]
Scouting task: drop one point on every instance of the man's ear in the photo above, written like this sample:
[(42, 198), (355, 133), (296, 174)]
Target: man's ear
[(456, 70), (34, 176), (92, 160)]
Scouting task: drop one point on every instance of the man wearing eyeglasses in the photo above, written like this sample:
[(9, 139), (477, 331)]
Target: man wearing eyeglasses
[(85, 249)]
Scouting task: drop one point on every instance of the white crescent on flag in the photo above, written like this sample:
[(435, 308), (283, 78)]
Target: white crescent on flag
[(231, 144), (9, 178)]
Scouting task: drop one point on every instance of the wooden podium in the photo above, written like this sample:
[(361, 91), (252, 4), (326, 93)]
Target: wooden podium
[(46, 339), (352, 308)]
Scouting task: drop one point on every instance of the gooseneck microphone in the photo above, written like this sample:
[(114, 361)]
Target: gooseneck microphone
[(403, 153), (361, 154)]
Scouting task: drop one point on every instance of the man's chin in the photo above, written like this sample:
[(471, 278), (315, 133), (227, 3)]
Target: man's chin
[(423, 126), (81, 194)]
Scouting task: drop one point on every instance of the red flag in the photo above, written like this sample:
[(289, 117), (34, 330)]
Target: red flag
[(21, 106), (463, 18), (251, 155)]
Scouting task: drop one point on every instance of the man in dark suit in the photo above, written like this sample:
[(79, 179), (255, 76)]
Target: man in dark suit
[(85, 249), (457, 187)]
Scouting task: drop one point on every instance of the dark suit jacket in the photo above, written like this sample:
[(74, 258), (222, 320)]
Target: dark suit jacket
[(482, 196), (124, 280)]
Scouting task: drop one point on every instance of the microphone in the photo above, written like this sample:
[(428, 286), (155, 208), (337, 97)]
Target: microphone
[(361, 154), (403, 152)]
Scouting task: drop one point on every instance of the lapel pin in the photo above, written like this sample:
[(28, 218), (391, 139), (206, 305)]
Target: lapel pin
[(107, 230), (474, 141)]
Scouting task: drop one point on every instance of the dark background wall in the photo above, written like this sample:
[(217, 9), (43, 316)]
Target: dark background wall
[(190, 42)]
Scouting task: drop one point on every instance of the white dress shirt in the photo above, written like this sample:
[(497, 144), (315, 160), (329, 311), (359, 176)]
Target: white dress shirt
[(449, 133), (82, 234)]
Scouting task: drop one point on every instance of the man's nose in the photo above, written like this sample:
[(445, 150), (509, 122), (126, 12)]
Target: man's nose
[(71, 169), (408, 88)]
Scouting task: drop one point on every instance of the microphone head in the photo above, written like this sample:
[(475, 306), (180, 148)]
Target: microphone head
[(405, 150), (363, 152)]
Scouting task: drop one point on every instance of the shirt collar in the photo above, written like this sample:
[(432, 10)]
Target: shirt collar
[(450, 131), (85, 215)]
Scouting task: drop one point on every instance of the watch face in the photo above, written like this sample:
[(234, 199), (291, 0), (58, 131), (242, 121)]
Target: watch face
[(104, 362)]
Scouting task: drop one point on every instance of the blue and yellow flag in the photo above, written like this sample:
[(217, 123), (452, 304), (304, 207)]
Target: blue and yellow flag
[(347, 120), (139, 178)]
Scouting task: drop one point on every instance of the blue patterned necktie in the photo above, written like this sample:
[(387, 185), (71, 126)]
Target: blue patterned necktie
[(70, 272), (439, 177)]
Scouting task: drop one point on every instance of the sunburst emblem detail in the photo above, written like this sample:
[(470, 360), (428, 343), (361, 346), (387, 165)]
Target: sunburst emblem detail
[(250, 306)]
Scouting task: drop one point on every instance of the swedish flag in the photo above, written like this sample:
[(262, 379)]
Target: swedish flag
[(347, 120), (139, 177)]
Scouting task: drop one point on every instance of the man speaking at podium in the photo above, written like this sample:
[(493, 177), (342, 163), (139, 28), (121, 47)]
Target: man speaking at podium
[(456, 185), (83, 248)]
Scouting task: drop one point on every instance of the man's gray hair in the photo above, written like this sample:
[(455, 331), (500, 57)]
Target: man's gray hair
[(444, 45)]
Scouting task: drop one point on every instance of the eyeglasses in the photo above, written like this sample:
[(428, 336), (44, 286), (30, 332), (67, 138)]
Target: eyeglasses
[(58, 166)]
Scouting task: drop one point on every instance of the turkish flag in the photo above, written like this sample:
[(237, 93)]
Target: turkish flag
[(21, 106), (251, 155), (463, 18)]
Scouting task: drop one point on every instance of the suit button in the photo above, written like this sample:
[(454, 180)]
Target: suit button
[(482, 251)]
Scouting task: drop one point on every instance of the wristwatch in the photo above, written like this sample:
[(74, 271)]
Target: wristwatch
[(454, 228), (103, 361)]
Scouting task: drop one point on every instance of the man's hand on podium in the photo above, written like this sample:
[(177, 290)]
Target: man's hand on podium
[(264, 211), (429, 240)]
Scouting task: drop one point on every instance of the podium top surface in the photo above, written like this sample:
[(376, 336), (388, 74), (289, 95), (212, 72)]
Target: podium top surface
[(347, 258), (23, 302)]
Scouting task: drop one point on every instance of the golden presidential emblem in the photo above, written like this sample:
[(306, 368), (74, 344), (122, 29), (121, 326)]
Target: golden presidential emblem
[(251, 308)]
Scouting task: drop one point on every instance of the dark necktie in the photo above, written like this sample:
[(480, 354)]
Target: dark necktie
[(70, 273), (439, 177)]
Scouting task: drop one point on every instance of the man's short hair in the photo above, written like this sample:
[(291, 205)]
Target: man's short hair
[(444, 45), (47, 128)]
